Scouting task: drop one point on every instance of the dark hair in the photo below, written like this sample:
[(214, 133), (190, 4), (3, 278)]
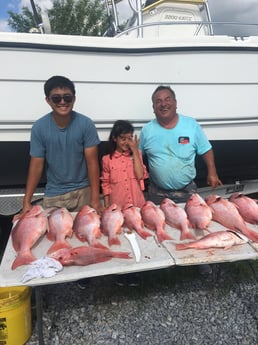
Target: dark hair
[(163, 87), (119, 127), (58, 81)]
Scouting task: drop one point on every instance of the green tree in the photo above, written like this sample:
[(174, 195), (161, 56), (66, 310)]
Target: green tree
[(67, 17), (22, 22)]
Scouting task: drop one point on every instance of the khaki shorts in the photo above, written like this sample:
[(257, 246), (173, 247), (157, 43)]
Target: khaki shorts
[(73, 201)]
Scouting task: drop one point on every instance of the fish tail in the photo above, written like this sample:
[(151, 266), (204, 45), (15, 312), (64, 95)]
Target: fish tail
[(251, 234), (21, 260), (162, 236), (144, 234), (121, 255), (58, 245)]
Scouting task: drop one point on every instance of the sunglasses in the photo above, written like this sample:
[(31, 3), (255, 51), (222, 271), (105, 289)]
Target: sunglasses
[(66, 98)]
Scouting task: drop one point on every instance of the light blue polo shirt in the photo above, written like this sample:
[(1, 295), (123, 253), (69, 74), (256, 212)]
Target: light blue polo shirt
[(171, 152), (63, 150)]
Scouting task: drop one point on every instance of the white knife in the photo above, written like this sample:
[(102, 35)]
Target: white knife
[(133, 242)]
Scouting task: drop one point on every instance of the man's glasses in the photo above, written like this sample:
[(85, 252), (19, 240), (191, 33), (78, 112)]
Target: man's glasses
[(57, 98)]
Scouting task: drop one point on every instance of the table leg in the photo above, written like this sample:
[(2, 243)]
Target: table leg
[(39, 309)]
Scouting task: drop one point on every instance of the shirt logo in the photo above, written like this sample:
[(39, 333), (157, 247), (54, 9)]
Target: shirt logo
[(183, 140)]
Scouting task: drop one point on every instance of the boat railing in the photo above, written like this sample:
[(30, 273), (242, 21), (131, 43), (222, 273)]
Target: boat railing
[(140, 31), (199, 25)]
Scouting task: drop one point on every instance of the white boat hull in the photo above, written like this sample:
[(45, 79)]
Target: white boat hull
[(215, 79)]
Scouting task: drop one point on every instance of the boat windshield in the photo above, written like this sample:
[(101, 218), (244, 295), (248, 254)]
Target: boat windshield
[(163, 18), (173, 18)]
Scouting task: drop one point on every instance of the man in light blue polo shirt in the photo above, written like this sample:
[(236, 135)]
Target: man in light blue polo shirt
[(171, 142)]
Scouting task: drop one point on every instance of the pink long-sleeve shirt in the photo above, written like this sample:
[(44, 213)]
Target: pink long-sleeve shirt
[(119, 182)]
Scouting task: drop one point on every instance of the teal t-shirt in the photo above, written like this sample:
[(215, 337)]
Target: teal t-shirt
[(171, 152), (63, 150)]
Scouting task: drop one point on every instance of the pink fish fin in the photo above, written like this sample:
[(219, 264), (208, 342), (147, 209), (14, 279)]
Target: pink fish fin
[(162, 236), (187, 235), (114, 241), (121, 255), (143, 233), (58, 245), (251, 234), (23, 259)]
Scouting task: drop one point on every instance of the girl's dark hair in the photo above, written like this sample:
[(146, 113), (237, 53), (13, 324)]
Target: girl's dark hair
[(58, 81), (119, 127)]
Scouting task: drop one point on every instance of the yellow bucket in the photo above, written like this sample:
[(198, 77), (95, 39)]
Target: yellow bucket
[(15, 315)]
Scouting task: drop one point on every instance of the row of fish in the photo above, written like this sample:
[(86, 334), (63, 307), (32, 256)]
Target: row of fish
[(233, 213), (88, 226), (58, 224)]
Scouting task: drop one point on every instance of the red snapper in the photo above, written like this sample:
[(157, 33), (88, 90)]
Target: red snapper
[(26, 232), (112, 220), (87, 226), (198, 212), (176, 217), (221, 239), (82, 256), (247, 207), (133, 221), (226, 213), (154, 219), (60, 226)]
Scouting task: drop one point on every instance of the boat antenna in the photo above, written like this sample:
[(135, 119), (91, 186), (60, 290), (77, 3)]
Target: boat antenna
[(36, 17)]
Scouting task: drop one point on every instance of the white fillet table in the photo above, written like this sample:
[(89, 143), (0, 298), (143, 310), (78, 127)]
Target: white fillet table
[(153, 256)]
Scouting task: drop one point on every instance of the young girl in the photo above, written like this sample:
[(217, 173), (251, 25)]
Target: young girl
[(123, 170)]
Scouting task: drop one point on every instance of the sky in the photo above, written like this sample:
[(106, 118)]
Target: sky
[(221, 10)]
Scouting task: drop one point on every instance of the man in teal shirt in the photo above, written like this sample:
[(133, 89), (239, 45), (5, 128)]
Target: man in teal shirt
[(171, 142)]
